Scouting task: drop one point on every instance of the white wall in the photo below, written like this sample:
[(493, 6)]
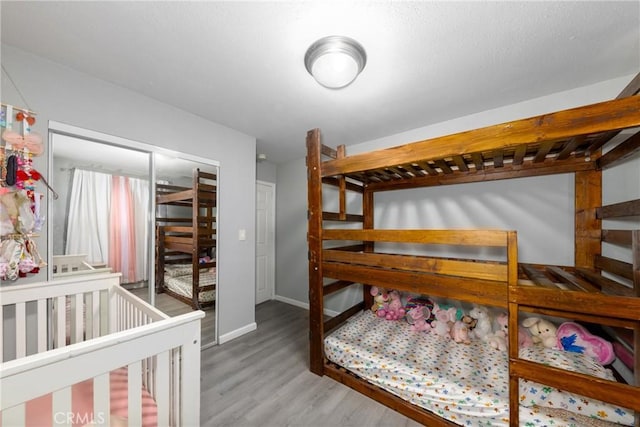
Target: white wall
[(60, 94), (540, 208)]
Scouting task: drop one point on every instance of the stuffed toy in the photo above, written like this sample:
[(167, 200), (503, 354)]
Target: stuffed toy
[(542, 331), (395, 310), (417, 318), (524, 337), (460, 332), (444, 320), (483, 329), (470, 322), (380, 301), (500, 336), (576, 338), (423, 302)]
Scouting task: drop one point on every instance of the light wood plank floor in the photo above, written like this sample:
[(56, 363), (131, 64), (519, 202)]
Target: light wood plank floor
[(262, 379)]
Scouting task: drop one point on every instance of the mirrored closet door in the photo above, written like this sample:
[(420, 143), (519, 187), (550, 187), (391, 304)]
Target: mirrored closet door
[(145, 212)]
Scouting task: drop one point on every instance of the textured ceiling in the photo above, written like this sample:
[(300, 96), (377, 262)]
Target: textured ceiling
[(240, 64)]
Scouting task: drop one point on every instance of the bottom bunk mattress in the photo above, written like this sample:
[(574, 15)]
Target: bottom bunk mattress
[(179, 279), (466, 384)]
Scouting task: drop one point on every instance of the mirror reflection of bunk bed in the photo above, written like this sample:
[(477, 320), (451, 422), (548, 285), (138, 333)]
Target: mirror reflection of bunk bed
[(186, 240)]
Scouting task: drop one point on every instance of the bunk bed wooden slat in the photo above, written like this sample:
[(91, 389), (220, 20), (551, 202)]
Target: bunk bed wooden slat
[(585, 385), (335, 216), (607, 285), (622, 151), (453, 267), (432, 237), (618, 210), (620, 268), (617, 237), (174, 197), (569, 279), (481, 291), (336, 286), (489, 173), (577, 302)]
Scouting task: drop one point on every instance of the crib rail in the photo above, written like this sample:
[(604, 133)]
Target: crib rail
[(84, 329), (172, 346)]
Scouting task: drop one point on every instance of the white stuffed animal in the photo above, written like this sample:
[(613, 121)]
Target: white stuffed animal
[(542, 331), (483, 329)]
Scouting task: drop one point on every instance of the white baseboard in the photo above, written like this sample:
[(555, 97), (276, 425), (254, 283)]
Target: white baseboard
[(304, 305), (237, 333)]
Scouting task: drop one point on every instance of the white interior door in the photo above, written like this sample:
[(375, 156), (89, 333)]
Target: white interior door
[(265, 241)]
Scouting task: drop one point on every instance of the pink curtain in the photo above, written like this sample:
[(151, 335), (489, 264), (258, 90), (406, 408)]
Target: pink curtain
[(122, 242)]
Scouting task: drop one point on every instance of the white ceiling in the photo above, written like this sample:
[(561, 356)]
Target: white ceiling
[(240, 64)]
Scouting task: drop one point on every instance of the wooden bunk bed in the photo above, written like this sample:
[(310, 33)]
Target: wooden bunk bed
[(186, 243), (596, 290)]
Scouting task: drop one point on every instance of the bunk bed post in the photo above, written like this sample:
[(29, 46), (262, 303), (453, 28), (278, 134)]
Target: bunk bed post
[(367, 224), (513, 349), (314, 238), (588, 228), (159, 258), (635, 254), (195, 243)]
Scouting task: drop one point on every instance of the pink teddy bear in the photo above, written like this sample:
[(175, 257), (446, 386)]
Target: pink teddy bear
[(417, 317), (444, 320), (395, 310)]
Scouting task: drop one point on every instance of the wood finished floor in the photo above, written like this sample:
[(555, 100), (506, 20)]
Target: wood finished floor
[(262, 379)]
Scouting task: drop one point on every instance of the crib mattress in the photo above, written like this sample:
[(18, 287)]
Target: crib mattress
[(184, 284), (466, 384)]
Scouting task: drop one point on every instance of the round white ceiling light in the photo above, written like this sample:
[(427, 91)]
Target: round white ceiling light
[(335, 61)]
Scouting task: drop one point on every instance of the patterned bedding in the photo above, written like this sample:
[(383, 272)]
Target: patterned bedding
[(183, 284), (466, 384)]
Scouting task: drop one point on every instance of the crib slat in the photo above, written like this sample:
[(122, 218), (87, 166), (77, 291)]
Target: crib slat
[(41, 319), (77, 315), (62, 413), (101, 399), (60, 324), (134, 378), (15, 416), (161, 390), (95, 314), (190, 396), (21, 330)]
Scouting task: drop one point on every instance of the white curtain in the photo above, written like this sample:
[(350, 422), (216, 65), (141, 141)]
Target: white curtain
[(140, 194), (88, 220), (93, 229)]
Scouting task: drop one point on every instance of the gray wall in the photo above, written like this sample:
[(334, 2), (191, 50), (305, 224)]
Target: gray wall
[(61, 94), (266, 171), (539, 208)]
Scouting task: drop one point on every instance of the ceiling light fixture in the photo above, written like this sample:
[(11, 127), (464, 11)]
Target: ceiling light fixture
[(335, 61)]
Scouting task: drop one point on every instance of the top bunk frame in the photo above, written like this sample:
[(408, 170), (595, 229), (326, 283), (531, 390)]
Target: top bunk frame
[(184, 239), (568, 141)]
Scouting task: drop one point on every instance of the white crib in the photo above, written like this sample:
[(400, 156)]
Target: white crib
[(58, 334), (75, 265)]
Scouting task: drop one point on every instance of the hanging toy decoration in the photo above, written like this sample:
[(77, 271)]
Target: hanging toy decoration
[(20, 216)]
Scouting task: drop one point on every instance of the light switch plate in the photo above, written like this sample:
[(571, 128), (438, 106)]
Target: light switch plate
[(242, 234)]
